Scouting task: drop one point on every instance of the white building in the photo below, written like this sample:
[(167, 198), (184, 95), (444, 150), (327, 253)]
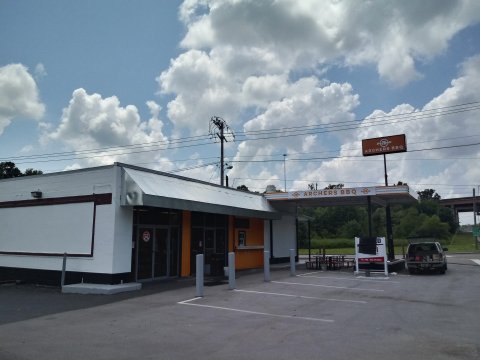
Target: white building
[(122, 223)]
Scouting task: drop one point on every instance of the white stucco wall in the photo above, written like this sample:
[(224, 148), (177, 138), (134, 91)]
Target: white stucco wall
[(123, 228), (47, 229), (65, 227), (284, 236), (266, 235), (70, 183)]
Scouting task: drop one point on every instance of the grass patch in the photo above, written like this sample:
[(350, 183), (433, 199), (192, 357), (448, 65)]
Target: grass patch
[(461, 242)]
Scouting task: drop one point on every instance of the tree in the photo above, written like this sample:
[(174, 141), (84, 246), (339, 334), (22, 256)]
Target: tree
[(334, 186), (351, 229), (31, 171), (8, 170), (434, 228), (242, 188), (428, 194), (409, 221), (446, 215)]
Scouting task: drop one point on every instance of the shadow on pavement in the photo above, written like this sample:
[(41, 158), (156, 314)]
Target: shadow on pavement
[(26, 301)]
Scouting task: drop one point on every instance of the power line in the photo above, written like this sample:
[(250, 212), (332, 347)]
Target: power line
[(297, 131), (474, 105), (334, 128), (349, 156)]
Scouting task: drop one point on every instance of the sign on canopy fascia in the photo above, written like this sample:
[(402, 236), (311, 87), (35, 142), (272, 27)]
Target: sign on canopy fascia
[(384, 145), (380, 256), (332, 193)]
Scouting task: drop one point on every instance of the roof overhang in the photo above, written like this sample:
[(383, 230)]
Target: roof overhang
[(141, 187), (379, 195)]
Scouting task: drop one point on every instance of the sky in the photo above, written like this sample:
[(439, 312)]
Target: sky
[(298, 83)]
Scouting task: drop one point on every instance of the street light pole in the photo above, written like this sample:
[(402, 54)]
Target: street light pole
[(285, 171)]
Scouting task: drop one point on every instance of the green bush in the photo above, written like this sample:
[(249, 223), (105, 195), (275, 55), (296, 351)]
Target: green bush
[(433, 227), (351, 229)]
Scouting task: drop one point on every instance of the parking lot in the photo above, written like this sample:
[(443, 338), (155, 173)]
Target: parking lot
[(313, 315)]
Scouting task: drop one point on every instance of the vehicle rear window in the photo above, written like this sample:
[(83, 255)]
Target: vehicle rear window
[(422, 248)]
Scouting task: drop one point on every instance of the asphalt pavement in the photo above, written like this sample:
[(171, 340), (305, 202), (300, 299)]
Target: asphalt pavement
[(313, 315)]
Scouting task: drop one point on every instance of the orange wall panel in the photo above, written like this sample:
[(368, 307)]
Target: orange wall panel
[(248, 259), (250, 256)]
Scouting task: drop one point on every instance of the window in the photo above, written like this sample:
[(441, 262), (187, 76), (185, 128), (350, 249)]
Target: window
[(242, 238)]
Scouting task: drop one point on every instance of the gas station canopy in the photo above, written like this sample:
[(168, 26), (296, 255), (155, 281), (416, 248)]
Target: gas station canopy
[(379, 195)]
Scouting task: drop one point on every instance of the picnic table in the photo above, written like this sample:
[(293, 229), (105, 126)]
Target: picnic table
[(332, 262)]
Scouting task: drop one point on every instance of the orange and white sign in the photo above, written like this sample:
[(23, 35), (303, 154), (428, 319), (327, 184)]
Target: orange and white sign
[(384, 145), (370, 251), (331, 193)]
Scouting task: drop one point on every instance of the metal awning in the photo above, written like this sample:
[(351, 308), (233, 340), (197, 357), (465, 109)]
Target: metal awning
[(142, 187), (380, 195)]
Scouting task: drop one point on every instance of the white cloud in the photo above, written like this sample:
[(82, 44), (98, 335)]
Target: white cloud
[(18, 95), (92, 122), (250, 62), (204, 89), (439, 129), (309, 105), (241, 57), (393, 35), (40, 71)]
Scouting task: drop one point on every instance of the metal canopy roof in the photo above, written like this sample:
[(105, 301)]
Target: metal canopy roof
[(380, 195), (142, 187)]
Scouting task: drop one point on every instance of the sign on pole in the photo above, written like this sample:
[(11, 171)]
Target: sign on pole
[(384, 145), (371, 255), (476, 231)]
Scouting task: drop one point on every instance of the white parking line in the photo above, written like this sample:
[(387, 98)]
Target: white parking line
[(189, 302), (310, 273), (350, 279), (301, 296), (476, 261), (326, 286)]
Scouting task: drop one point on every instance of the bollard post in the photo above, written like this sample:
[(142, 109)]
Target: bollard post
[(231, 270), (64, 266), (266, 266), (292, 262), (199, 275)]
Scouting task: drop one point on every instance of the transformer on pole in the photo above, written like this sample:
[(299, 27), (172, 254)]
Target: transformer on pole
[(218, 128)]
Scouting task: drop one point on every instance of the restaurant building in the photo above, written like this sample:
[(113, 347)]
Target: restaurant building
[(123, 223)]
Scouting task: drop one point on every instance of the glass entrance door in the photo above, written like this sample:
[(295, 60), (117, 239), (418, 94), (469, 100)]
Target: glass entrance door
[(160, 249), (214, 247), (209, 237), (158, 252), (144, 253)]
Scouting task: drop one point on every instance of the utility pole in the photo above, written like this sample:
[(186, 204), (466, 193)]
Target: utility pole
[(218, 128), (475, 219), (285, 171)]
